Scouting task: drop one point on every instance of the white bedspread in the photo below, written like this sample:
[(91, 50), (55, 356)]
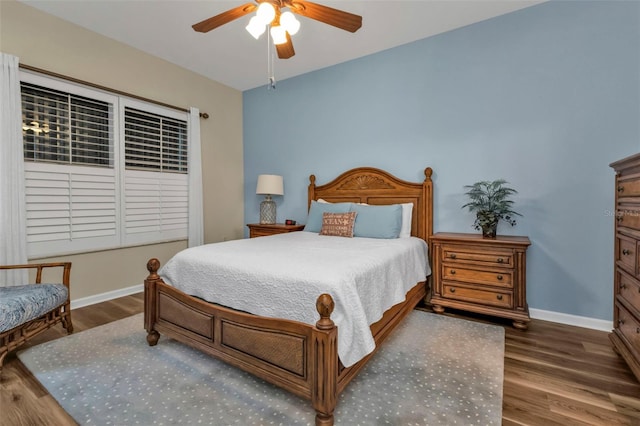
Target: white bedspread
[(281, 276)]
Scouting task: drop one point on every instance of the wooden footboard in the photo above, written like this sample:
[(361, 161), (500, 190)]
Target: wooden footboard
[(295, 356)]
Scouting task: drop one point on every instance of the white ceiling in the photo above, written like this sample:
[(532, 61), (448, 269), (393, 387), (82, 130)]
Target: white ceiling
[(231, 56)]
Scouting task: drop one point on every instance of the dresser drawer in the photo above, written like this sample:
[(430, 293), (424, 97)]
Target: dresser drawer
[(628, 187), (629, 327), (626, 254), (629, 289), (480, 296), (477, 256), (259, 233), (476, 276), (628, 217)]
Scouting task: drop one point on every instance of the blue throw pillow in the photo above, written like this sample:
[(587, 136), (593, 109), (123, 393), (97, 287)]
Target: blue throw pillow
[(314, 220), (377, 221)]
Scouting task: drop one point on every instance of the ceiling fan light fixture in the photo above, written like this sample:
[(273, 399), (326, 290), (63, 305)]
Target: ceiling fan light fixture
[(278, 34), (266, 12), (289, 22), (256, 27)]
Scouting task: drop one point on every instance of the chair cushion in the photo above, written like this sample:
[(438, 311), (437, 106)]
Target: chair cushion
[(23, 303)]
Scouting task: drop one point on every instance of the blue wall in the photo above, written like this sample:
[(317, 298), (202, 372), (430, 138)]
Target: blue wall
[(545, 97)]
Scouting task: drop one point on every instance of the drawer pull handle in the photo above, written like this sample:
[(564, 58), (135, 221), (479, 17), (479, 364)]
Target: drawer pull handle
[(453, 255), (499, 277), (623, 286), (619, 218), (500, 260), (452, 289), (499, 296), (638, 330), (453, 272), (625, 252), (620, 188), (620, 321)]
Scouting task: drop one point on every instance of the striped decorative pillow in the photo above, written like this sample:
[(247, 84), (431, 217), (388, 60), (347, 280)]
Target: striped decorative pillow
[(338, 224)]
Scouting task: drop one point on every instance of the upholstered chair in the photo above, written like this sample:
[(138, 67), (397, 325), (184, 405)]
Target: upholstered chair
[(28, 310)]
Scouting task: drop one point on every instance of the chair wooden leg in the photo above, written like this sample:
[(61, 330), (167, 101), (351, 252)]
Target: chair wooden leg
[(67, 324), (2, 356)]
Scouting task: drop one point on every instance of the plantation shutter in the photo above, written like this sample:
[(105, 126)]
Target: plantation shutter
[(156, 180), (70, 208), (70, 180)]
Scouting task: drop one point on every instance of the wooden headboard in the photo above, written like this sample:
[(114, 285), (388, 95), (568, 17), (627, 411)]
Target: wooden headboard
[(374, 186)]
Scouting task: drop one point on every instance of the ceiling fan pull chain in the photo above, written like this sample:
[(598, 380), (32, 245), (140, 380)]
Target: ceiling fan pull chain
[(270, 63)]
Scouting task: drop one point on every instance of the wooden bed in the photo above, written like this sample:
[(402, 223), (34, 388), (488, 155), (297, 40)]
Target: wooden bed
[(298, 357)]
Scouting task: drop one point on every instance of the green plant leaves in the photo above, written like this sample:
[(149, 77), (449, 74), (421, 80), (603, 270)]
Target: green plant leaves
[(491, 202)]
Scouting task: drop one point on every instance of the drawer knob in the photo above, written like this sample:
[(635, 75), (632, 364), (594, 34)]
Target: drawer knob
[(500, 260), (620, 321), (619, 218), (499, 277), (625, 252), (453, 255), (623, 286), (638, 330), (499, 296), (453, 272), (452, 289), (620, 188)]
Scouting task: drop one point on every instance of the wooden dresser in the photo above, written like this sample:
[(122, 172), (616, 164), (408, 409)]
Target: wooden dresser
[(262, 230), (481, 275), (626, 270)]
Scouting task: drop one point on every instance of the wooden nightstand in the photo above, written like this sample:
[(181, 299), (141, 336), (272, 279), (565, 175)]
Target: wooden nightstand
[(482, 275), (262, 230)]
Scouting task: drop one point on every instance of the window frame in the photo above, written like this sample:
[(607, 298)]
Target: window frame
[(122, 238)]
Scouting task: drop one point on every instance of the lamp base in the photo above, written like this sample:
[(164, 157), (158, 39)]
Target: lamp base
[(268, 211)]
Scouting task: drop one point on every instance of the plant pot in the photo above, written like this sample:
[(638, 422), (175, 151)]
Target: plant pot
[(487, 221), (490, 230)]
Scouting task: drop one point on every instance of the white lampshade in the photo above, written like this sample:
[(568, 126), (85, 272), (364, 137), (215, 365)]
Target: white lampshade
[(270, 184), (289, 22), (278, 34), (256, 27), (266, 13)]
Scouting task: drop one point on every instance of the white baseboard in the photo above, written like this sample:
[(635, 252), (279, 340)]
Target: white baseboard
[(103, 297), (568, 319)]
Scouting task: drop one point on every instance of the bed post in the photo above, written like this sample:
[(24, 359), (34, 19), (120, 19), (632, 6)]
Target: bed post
[(311, 191), (325, 377), (150, 308)]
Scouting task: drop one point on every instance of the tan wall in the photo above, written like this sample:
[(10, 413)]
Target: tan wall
[(44, 41)]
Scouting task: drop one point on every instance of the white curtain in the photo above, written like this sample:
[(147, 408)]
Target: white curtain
[(13, 230), (196, 213)]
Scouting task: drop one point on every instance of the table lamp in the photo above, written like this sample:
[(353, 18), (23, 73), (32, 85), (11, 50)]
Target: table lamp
[(269, 185)]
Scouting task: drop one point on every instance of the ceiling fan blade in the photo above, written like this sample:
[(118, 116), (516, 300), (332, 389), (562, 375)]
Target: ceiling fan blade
[(337, 18), (285, 50), (223, 18)]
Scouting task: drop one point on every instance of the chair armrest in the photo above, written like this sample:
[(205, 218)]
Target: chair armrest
[(66, 271)]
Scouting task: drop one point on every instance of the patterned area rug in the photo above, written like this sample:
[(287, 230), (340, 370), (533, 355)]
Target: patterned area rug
[(433, 370)]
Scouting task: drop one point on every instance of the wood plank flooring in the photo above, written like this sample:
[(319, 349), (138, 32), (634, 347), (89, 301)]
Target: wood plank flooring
[(554, 375)]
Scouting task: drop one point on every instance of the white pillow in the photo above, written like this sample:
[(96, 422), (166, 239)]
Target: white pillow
[(407, 215)]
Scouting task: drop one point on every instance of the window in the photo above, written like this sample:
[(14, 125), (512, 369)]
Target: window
[(102, 171), (154, 142), (63, 128)]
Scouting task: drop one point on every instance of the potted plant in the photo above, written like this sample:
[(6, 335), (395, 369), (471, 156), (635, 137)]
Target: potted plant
[(491, 203)]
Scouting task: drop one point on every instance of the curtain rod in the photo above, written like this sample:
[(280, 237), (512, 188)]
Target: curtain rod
[(97, 86)]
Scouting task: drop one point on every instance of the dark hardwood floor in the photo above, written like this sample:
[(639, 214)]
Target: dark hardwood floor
[(554, 375)]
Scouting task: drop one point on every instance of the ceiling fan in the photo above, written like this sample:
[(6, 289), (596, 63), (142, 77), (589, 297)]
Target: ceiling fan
[(283, 23)]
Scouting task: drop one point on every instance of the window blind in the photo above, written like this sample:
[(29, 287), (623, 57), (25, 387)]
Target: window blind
[(64, 128)]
